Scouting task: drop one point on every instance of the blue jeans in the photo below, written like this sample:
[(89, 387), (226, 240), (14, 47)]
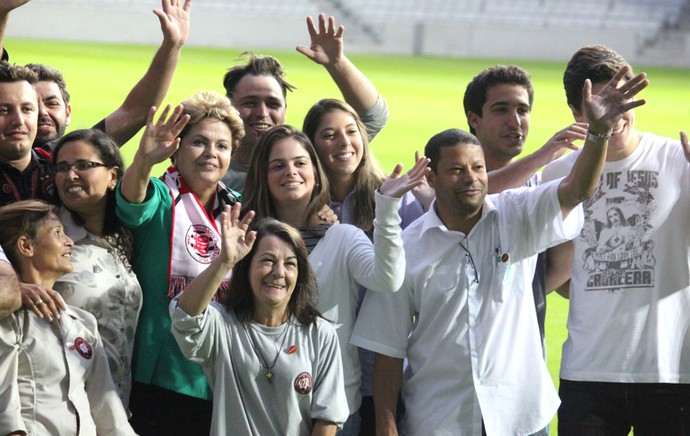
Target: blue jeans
[(597, 408), (351, 426)]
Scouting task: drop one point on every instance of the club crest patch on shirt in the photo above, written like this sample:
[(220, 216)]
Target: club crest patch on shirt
[(83, 348), (303, 384), (201, 243)]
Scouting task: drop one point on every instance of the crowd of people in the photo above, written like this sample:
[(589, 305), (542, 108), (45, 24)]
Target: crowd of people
[(276, 281)]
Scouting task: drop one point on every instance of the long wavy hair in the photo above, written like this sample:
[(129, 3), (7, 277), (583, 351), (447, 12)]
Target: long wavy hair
[(109, 153), (257, 195), (368, 175), (302, 304)]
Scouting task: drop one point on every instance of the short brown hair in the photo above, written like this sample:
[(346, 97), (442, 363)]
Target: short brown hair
[(478, 89), (50, 74), (210, 104), (257, 65), (597, 63), (16, 73)]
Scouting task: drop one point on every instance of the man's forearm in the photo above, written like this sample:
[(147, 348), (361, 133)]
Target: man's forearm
[(387, 379)]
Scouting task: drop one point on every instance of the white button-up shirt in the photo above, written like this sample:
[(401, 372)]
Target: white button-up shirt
[(465, 318), (56, 379)]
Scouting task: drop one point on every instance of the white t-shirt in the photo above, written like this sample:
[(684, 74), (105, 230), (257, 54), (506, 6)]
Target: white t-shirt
[(343, 260), (474, 348), (629, 316), (3, 256)]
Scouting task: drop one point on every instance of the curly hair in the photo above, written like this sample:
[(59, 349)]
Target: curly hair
[(210, 104)]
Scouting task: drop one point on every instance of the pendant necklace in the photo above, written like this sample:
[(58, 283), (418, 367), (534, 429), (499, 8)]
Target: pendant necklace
[(263, 362)]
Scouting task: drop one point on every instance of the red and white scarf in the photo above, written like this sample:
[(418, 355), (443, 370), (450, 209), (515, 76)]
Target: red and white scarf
[(195, 239)]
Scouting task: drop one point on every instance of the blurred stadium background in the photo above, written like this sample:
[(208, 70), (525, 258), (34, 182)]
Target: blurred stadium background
[(648, 32)]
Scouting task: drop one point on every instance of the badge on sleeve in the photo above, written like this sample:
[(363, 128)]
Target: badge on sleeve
[(83, 348), (303, 384)]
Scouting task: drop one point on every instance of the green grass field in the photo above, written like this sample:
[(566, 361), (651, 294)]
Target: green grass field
[(424, 95)]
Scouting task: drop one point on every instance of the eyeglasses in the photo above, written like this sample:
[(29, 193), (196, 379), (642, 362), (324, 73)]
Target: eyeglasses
[(470, 262), (80, 165)]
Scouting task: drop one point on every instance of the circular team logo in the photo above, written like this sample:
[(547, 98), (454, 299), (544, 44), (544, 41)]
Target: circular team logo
[(83, 348), (303, 384), (201, 243)]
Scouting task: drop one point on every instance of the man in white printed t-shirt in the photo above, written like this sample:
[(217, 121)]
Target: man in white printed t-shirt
[(465, 316), (626, 362)]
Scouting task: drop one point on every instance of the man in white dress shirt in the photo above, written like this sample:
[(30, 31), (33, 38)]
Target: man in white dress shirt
[(465, 316)]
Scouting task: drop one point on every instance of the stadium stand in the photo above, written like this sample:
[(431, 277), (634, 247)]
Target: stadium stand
[(548, 29)]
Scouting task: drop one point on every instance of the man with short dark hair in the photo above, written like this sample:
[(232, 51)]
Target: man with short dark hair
[(498, 104), (258, 90), (24, 173), (55, 110), (626, 362), (464, 317)]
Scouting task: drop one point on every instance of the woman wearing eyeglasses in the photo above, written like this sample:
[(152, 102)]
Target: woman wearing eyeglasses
[(88, 166)]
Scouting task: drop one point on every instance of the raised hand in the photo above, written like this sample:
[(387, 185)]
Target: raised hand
[(174, 20), (325, 215), (423, 192), (326, 44), (8, 5), (396, 184), (44, 302), (237, 239), (161, 139), (562, 141), (685, 144), (604, 109)]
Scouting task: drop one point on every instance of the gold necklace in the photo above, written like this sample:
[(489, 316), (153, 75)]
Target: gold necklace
[(260, 356)]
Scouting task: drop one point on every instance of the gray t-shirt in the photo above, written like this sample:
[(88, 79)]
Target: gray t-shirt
[(307, 375)]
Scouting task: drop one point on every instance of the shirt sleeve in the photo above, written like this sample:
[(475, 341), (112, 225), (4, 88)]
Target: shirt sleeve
[(133, 215), (375, 117), (559, 168), (195, 334), (10, 405), (329, 402), (100, 126), (380, 267), (385, 322), (541, 222)]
